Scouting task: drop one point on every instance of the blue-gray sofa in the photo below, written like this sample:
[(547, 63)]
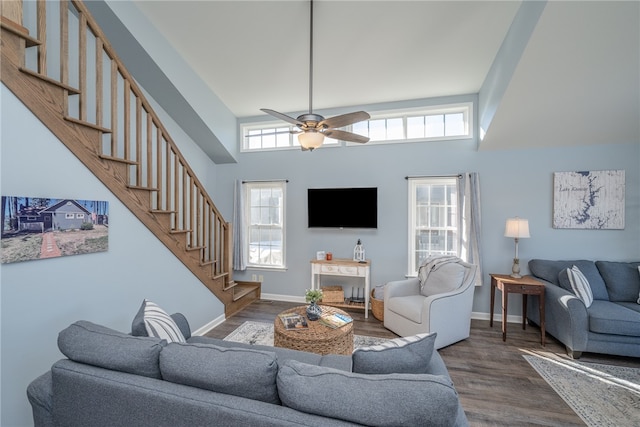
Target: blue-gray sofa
[(115, 379), (610, 325)]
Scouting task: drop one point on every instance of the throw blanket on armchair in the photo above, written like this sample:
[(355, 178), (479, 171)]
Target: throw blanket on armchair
[(432, 263)]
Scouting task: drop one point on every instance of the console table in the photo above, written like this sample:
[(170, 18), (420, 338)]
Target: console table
[(345, 268)]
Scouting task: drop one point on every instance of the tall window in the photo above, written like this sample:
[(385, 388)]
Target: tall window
[(433, 219), (264, 213)]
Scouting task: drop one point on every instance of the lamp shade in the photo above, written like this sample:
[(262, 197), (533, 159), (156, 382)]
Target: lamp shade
[(310, 139), (517, 227)]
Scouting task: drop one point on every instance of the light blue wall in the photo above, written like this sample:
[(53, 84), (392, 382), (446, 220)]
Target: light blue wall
[(514, 182), (40, 298)]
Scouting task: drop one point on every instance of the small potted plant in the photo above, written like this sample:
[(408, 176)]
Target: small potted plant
[(312, 296)]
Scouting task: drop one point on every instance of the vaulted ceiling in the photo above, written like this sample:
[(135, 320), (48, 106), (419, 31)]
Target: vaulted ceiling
[(576, 80)]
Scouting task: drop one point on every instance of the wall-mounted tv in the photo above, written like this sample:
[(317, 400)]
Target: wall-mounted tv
[(342, 207)]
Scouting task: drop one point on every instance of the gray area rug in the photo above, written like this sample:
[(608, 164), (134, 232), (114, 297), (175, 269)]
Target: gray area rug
[(262, 334), (602, 395)]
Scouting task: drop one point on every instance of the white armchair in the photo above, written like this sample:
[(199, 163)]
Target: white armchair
[(442, 305)]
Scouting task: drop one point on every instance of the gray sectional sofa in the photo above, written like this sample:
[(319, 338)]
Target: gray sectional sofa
[(111, 378), (610, 325)]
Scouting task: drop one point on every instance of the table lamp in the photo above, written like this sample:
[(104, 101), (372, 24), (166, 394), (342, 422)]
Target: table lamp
[(517, 228)]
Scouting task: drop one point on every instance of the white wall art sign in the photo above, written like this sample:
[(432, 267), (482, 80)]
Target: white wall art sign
[(591, 200)]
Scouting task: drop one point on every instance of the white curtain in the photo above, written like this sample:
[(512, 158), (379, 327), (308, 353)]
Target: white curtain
[(239, 227), (470, 221)]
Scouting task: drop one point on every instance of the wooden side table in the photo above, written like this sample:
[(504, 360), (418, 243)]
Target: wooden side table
[(526, 286)]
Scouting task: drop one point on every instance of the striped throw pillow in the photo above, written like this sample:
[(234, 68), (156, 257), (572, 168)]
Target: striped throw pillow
[(159, 324), (580, 285)]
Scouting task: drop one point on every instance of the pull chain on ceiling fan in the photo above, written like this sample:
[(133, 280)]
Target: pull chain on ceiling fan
[(313, 127)]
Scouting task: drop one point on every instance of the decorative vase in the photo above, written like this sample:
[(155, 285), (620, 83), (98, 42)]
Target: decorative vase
[(313, 311)]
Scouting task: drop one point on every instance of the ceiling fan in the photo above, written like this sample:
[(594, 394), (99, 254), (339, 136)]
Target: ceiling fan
[(313, 128)]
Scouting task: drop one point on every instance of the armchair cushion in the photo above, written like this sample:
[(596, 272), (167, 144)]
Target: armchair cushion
[(409, 307), (409, 355)]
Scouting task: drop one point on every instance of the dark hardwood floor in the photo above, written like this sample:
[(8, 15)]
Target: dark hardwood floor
[(497, 386)]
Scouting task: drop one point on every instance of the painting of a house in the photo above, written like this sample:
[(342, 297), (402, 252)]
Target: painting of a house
[(35, 228)]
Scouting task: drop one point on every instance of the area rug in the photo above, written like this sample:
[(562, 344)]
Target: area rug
[(602, 395), (262, 334)]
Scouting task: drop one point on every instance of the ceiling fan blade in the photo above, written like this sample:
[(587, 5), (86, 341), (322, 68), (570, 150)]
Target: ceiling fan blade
[(345, 136), (345, 119), (282, 117)]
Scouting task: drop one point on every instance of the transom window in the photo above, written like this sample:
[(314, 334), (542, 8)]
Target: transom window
[(433, 219), (269, 136), (441, 122), (437, 123), (264, 213)]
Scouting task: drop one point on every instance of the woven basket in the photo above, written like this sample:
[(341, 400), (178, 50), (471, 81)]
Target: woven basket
[(332, 294), (377, 307)]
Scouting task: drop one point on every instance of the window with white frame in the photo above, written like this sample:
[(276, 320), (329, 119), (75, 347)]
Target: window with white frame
[(433, 123), (272, 136), (264, 213), (428, 124), (433, 219)]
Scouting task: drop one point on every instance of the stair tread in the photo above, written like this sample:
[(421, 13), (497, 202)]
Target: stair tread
[(241, 290)]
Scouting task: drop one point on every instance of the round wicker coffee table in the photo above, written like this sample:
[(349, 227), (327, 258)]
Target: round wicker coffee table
[(318, 338)]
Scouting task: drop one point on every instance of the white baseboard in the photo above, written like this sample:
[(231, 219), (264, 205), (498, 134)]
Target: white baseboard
[(209, 326), (286, 298), (290, 298), (496, 317)]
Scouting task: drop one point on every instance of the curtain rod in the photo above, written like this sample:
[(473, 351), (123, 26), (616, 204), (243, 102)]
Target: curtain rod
[(459, 176), (265, 180)]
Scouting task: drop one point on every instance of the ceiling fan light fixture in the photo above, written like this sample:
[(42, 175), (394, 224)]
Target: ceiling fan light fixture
[(314, 127), (310, 139)]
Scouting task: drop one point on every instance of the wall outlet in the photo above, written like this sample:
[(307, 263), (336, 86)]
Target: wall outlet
[(253, 278), (261, 278)]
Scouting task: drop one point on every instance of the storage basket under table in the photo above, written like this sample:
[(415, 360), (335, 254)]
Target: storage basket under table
[(332, 294), (318, 338)]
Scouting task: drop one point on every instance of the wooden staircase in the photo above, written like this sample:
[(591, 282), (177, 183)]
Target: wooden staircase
[(100, 114)]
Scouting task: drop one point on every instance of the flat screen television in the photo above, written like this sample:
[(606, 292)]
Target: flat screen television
[(342, 207)]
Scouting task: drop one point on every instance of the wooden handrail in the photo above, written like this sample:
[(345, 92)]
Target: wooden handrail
[(100, 92)]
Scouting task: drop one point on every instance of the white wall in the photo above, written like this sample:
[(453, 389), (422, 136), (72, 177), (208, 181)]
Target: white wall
[(40, 298)]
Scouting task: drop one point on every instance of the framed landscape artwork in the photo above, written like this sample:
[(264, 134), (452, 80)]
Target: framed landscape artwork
[(591, 200), (38, 228)]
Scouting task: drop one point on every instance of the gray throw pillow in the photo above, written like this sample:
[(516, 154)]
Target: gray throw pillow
[(374, 400), (409, 355), (235, 371), (96, 345)]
